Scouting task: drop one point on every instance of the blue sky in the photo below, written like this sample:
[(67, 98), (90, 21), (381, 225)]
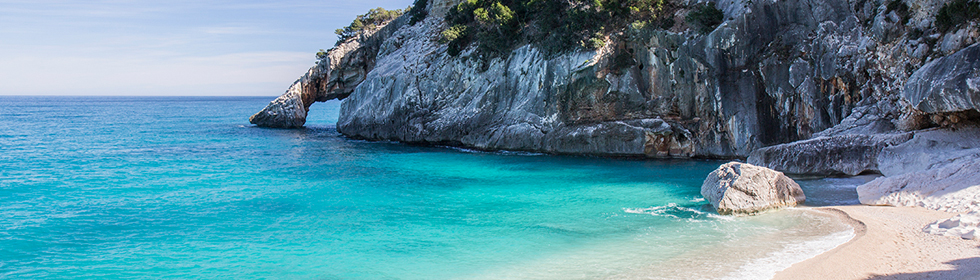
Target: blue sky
[(166, 47)]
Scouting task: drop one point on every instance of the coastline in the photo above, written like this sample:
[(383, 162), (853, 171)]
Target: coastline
[(889, 244)]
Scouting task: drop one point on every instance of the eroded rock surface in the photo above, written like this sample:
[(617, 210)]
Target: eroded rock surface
[(334, 76), (948, 84), (740, 188), (844, 154), (938, 169), (773, 72)]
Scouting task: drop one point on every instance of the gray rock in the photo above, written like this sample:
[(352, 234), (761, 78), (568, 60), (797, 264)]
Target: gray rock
[(739, 188), (930, 149), (867, 119), (937, 169), (952, 187), (774, 72), (287, 111), (723, 94), (333, 77), (844, 154), (948, 84)]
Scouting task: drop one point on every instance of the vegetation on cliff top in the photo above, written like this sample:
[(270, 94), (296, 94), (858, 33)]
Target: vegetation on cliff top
[(418, 11), (497, 26), (372, 19), (706, 18)]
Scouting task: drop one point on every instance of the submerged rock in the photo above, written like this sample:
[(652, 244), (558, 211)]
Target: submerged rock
[(740, 188)]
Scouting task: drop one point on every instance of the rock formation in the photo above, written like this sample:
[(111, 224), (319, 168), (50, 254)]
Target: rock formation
[(937, 169), (842, 154), (948, 84), (740, 188), (773, 72), (334, 76)]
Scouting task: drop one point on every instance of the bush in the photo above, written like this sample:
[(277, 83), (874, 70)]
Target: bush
[(956, 13), (706, 18), (374, 18), (321, 54), (594, 43), (418, 11), (555, 26)]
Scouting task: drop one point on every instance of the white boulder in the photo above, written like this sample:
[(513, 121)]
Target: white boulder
[(745, 189)]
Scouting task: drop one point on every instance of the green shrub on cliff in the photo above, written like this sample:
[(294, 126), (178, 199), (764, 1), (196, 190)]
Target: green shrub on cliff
[(418, 11), (706, 18), (497, 26), (956, 13), (374, 18)]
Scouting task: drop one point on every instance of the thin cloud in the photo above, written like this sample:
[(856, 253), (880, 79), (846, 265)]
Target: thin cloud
[(166, 48), (233, 30)]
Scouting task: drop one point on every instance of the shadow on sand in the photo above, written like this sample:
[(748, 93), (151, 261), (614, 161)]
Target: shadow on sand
[(968, 268)]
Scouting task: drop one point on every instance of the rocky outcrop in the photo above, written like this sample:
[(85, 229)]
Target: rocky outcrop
[(938, 169), (334, 76), (930, 149), (955, 187), (836, 155), (948, 84), (739, 188), (744, 86), (774, 72)]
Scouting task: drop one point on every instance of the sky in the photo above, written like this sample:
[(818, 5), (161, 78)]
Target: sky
[(172, 47)]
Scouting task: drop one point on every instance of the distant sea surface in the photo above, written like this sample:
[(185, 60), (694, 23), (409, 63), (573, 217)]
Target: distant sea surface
[(186, 188)]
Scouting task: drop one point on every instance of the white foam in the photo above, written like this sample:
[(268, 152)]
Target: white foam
[(671, 210), (500, 152), (766, 267)]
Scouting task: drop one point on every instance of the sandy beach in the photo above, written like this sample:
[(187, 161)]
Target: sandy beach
[(890, 244)]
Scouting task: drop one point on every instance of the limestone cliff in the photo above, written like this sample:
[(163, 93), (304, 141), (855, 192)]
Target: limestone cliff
[(774, 72)]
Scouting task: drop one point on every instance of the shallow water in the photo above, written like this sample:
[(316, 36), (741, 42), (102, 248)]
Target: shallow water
[(115, 187)]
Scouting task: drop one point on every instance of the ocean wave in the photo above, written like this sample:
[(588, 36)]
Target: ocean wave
[(672, 210), (766, 267)]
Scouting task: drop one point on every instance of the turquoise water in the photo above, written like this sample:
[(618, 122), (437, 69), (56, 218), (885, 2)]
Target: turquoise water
[(182, 187)]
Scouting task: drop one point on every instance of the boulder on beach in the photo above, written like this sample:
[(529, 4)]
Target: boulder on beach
[(743, 189)]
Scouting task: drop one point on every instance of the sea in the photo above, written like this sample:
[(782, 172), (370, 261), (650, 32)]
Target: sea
[(186, 188)]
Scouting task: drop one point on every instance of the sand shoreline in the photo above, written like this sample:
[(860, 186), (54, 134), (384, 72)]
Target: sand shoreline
[(889, 244)]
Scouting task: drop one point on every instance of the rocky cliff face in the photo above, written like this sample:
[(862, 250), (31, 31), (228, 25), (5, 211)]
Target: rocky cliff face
[(335, 76), (774, 72)]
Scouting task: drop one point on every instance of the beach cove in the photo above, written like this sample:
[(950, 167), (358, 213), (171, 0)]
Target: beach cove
[(208, 197)]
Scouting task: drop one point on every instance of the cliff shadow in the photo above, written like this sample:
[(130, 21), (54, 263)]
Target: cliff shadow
[(968, 268)]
